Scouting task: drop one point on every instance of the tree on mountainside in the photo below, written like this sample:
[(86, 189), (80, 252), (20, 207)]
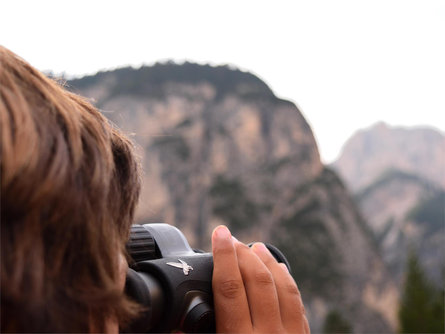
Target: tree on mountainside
[(422, 306), (336, 323)]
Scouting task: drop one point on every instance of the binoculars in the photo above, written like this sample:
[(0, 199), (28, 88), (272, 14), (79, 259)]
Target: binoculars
[(172, 281)]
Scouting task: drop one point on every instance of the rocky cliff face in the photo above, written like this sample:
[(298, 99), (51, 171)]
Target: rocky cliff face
[(399, 175), (218, 147), (372, 151), (406, 213)]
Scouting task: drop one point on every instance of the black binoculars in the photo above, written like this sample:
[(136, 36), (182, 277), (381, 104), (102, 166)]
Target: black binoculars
[(172, 281)]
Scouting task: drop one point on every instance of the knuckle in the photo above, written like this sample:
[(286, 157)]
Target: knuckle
[(301, 311), (292, 290), (230, 289), (263, 278)]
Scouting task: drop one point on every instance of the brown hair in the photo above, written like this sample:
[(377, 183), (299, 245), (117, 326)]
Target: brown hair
[(69, 186)]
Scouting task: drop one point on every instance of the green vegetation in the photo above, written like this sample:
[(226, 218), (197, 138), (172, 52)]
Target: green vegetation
[(332, 184), (380, 237), (310, 249), (149, 81), (328, 182), (306, 240), (335, 323), (230, 203), (430, 212), (175, 145), (422, 306)]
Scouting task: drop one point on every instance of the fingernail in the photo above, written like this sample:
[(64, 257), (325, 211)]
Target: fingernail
[(259, 247), (222, 232), (282, 265), (234, 239)]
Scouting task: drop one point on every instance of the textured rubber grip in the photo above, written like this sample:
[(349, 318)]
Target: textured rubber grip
[(141, 246)]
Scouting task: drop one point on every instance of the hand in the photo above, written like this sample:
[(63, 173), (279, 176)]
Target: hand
[(252, 292)]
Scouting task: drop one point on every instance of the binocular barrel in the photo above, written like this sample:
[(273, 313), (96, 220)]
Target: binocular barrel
[(171, 281)]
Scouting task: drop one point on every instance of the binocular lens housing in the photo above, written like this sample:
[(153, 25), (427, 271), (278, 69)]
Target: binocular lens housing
[(171, 281)]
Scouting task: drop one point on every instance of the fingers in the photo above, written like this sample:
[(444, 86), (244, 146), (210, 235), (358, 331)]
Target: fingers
[(261, 292), (252, 291), (231, 306), (290, 302)]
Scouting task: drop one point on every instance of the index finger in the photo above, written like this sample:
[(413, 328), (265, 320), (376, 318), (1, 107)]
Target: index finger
[(231, 307)]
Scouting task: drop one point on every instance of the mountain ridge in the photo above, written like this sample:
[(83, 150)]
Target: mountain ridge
[(404, 202), (233, 153), (147, 79), (371, 151)]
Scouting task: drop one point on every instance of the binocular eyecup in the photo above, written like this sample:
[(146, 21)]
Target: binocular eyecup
[(171, 281)]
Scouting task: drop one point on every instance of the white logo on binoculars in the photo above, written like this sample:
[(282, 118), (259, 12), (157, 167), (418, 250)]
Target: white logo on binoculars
[(182, 265)]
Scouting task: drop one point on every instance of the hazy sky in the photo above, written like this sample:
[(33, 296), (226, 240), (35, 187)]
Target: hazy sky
[(346, 64)]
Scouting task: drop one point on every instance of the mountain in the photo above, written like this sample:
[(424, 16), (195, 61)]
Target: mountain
[(407, 213), (400, 192), (371, 152), (218, 146)]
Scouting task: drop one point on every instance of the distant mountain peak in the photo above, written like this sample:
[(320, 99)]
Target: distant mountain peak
[(371, 151), (147, 80), (383, 126)]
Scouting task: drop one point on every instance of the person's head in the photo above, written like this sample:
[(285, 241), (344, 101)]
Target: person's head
[(69, 186)]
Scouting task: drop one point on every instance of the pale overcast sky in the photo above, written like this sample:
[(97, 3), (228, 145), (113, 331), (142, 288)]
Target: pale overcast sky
[(346, 64)]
